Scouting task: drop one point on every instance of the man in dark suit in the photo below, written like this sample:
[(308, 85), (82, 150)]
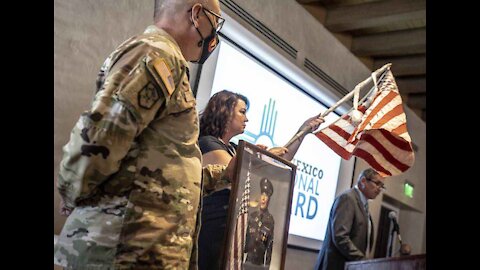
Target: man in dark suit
[(349, 229)]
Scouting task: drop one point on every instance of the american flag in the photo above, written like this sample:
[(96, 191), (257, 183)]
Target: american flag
[(235, 259), (381, 138)]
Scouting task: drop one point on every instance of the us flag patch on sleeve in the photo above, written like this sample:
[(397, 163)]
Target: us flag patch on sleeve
[(164, 72)]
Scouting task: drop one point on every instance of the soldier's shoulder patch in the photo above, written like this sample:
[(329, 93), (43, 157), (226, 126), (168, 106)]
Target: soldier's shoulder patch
[(164, 72), (148, 96)]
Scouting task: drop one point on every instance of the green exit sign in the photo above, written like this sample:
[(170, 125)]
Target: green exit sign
[(408, 189)]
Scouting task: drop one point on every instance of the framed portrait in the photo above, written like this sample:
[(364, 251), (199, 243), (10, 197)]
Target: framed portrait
[(259, 212)]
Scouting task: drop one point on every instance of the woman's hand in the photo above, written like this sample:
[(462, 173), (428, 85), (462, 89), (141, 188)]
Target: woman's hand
[(279, 151), (313, 122), (263, 147)]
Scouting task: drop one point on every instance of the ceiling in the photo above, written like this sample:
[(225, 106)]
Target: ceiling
[(380, 32)]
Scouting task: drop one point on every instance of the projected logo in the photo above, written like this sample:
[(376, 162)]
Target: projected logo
[(309, 175), (267, 126)]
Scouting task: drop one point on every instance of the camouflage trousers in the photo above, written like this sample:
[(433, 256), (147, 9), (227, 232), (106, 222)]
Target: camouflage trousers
[(117, 234)]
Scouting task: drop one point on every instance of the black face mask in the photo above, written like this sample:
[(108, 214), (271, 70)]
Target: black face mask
[(208, 44)]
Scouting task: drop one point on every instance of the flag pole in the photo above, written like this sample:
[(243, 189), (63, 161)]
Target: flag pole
[(372, 92), (357, 88)]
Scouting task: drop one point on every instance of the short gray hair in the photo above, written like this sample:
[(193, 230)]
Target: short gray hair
[(172, 7), (367, 173)]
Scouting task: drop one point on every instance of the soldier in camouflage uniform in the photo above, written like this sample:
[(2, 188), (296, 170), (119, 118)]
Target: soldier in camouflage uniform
[(131, 174), (259, 239)]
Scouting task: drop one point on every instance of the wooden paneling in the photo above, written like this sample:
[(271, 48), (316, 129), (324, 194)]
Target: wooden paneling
[(375, 14), (380, 32), (391, 44)]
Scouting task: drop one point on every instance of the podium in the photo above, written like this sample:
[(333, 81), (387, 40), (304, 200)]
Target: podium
[(412, 262)]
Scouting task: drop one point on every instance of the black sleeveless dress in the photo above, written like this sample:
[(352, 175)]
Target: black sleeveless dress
[(214, 214)]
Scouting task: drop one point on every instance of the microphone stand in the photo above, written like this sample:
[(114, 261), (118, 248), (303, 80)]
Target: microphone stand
[(390, 243), (394, 229)]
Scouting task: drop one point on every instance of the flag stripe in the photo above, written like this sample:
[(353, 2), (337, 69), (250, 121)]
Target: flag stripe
[(334, 146), (404, 145), (385, 110), (345, 125), (362, 108), (341, 132), (384, 152), (377, 107), (339, 140), (371, 160), (394, 123), (404, 156), (371, 117), (400, 129), (396, 111), (367, 147)]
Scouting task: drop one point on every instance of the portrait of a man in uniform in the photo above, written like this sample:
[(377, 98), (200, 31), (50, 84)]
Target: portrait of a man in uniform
[(257, 229), (259, 238)]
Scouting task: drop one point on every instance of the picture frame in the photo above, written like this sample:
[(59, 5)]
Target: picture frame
[(259, 210)]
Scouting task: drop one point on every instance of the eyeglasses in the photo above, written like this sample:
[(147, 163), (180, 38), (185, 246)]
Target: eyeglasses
[(220, 20), (377, 183)]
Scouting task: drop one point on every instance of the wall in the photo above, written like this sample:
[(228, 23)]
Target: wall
[(86, 31)]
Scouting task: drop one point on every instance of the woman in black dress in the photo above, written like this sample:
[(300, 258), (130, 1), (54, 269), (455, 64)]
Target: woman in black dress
[(223, 118)]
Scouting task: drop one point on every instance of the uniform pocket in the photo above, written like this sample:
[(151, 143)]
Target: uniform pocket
[(182, 100)]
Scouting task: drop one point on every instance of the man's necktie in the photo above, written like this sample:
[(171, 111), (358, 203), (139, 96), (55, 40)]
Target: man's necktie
[(369, 232)]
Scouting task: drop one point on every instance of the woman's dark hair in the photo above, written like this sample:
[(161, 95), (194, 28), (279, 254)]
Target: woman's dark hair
[(217, 113)]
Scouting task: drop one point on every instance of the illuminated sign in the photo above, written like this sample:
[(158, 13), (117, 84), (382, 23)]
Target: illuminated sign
[(408, 189)]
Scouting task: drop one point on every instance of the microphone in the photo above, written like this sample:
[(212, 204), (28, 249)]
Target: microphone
[(393, 216)]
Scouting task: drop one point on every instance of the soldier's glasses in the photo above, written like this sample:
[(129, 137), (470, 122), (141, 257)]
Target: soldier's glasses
[(220, 19)]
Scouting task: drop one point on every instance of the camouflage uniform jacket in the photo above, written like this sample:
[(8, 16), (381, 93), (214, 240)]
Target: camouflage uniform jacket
[(132, 167)]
